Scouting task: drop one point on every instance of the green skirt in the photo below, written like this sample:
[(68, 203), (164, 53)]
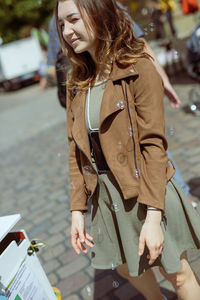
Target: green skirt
[(116, 224)]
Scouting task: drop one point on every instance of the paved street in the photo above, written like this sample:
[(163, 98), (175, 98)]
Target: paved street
[(34, 183)]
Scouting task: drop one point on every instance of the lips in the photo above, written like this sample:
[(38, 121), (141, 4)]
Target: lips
[(74, 40)]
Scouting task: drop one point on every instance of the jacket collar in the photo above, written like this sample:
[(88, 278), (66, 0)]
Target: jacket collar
[(121, 73)]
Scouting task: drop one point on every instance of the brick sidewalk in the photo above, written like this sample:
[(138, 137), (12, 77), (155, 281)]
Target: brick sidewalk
[(35, 184)]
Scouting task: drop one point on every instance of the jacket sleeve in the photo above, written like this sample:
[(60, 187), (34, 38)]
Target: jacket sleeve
[(77, 187), (149, 106)]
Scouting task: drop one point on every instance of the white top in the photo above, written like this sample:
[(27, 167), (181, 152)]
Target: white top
[(93, 105)]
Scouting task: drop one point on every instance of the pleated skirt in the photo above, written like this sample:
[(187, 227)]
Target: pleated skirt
[(116, 225)]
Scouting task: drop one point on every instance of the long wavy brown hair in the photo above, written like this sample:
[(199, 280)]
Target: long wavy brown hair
[(115, 40)]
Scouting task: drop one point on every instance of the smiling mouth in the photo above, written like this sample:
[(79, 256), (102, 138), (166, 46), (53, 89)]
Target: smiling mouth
[(74, 41)]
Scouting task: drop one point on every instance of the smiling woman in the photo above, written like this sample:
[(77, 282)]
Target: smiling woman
[(117, 153), (99, 35), (73, 29)]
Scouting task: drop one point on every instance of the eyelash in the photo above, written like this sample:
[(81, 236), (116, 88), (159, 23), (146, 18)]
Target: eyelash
[(74, 20)]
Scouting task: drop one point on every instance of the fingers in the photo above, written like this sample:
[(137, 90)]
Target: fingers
[(154, 252), (89, 237), (141, 245), (78, 240), (82, 247), (77, 237), (74, 238)]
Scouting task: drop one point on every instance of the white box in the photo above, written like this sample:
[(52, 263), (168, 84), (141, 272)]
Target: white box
[(21, 274)]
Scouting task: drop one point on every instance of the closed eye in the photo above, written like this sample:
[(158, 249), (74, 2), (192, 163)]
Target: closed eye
[(73, 20)]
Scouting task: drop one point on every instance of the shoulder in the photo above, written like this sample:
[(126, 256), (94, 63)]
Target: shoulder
[(148, 80), (144, 65), (147, 72)]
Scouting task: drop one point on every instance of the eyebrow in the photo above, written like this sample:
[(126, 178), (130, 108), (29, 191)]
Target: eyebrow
[(69, 16)]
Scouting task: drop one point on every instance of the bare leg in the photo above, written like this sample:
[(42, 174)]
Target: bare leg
[(146, 283), (184, 281)]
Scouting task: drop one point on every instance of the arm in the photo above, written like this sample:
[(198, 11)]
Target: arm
[(79, 237), (147, 92), (148, 96), (168, 89)]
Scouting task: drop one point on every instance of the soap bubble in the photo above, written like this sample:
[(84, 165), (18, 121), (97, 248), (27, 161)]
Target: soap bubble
[(172, 130), (115, 284), (121, 104), (176, 55), (112, 266), (145, 29), (193, 107), (88, 290), (130, 131), (115, 207), (87, 170), (151, 27), (144, 11), (72, 185), (119, 145), (99, 238)]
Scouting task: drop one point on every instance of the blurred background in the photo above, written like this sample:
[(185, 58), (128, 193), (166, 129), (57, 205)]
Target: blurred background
[(33, 149)]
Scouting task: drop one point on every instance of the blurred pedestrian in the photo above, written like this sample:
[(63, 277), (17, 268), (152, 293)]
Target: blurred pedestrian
[(117, 152), (167, 7), (53, 48), (43, 68), (193, 53), (157, 17)]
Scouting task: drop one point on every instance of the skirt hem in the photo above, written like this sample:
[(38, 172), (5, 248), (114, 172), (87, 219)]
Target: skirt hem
[(136, 274)]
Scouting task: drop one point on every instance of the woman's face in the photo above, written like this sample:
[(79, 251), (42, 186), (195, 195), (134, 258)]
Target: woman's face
[(75, 33)]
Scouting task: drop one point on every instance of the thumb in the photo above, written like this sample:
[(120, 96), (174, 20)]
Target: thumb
[(141, 245)]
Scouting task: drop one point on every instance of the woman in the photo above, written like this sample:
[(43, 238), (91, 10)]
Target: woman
[(117, 153)]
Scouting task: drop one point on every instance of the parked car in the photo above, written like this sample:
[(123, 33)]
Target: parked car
[(19, 61)]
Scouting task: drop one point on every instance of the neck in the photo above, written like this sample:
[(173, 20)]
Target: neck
[(102, 72)]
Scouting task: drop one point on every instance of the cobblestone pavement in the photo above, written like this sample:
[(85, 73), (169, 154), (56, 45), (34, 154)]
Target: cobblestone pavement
[(34, 183)]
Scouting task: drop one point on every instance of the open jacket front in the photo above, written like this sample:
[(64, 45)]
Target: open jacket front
[(130, 143)]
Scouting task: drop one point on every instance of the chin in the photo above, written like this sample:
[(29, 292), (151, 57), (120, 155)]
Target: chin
[(79, 50)]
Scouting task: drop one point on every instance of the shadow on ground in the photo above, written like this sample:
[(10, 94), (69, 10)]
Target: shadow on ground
[(110, 281)]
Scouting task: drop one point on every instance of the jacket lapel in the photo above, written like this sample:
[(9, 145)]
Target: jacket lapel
[(79, 130), (112, 102), (113, 99)]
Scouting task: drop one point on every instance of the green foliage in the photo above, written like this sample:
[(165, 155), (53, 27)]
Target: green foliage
[(19, 16)]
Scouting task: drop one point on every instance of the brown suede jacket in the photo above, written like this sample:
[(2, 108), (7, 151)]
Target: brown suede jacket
[(140, 165)]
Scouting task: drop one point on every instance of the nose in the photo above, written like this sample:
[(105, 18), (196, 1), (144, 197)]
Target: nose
[(68, 29)]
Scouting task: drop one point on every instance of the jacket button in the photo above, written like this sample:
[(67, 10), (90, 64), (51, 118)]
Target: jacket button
[(121, 104), (132, 71)]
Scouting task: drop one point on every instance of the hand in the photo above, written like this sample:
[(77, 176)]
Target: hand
[(78, 235), (171, 94), (151, 235)]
